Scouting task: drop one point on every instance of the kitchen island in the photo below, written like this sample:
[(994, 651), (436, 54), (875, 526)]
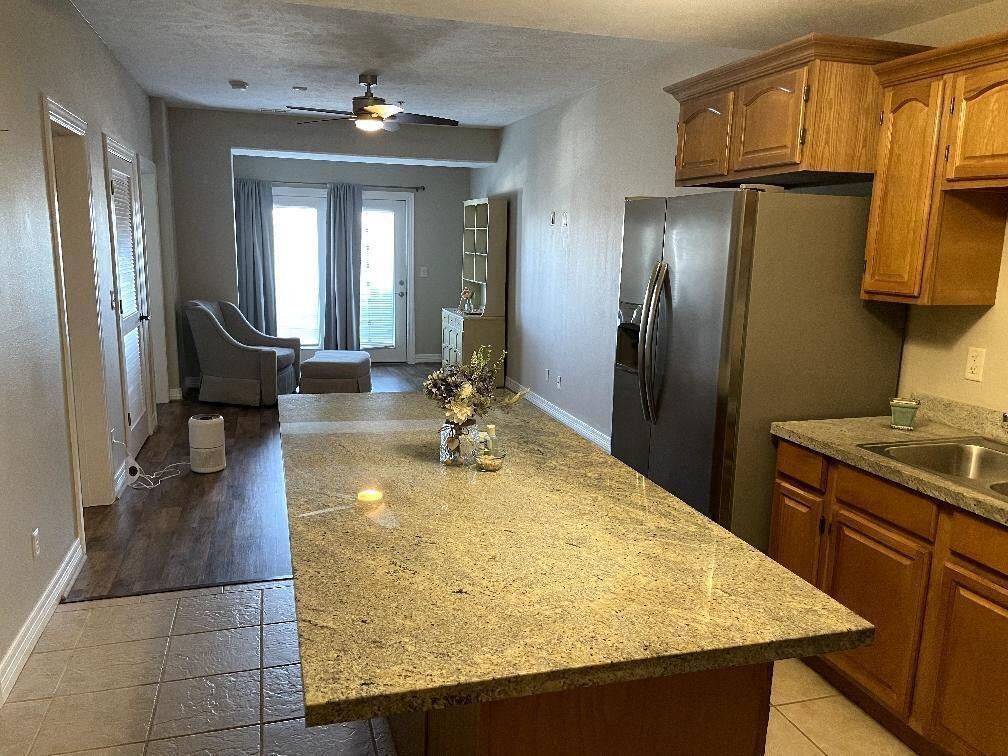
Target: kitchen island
[(564, 604)]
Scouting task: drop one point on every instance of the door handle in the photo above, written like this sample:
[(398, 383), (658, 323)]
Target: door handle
[(656, 294), (402, 293), (144, 317), (660, 279), (642, 342)]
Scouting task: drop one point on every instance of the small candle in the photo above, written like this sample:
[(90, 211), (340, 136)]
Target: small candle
[(369, 494)]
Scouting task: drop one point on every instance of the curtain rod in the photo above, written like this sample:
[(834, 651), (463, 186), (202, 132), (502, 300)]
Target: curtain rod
[(372, 187)]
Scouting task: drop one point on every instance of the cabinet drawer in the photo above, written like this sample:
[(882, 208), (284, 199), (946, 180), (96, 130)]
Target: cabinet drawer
[(802, 464), (979, 540), (893, 503)]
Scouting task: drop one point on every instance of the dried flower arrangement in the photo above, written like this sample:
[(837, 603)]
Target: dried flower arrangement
[(465, 392)]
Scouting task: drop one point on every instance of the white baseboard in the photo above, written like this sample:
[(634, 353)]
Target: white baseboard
[(175, 394), (580, 427), (16, 656), (427, 358)]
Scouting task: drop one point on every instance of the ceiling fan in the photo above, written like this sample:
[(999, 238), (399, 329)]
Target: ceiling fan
[(371, 113)]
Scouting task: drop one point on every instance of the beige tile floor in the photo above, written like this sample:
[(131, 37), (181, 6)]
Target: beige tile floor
[(216, 671), (810, 716)]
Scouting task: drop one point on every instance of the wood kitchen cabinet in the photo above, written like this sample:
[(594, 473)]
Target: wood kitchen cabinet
[(940, 199), (881, 574), (802, 113), (703, 136), (933, 580), (901, 197), (963, 683), (978, 125)]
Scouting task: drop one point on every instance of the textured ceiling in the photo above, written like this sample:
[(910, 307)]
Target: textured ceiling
[(478, 74), (483, 63), (751, 24)]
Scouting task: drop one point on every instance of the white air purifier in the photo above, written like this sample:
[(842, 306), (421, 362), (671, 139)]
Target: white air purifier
[(206, 443)]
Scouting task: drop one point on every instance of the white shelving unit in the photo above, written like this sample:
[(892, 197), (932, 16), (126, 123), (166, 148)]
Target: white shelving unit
[(484, 272)]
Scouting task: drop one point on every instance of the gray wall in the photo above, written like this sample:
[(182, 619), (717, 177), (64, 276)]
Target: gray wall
[(582, 158), (437, 223), (44, 47)]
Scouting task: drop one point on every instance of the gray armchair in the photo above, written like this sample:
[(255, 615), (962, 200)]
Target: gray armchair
[(239, 364)]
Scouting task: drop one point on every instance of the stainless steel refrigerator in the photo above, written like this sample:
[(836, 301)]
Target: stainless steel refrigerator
[(737, 309)]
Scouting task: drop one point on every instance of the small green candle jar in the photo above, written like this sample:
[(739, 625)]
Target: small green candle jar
[(904, 413)]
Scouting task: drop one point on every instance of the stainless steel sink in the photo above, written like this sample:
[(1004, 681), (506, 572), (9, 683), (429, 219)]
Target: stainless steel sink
[(976, 462)]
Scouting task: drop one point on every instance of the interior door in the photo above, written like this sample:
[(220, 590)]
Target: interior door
[(384, 276), (129, 297)]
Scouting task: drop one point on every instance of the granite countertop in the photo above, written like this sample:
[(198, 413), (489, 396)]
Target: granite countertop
[(839, 439), (564, 569)]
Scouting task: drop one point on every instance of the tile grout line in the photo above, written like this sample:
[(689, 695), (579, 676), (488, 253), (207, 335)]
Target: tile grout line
[(795, 725), (38, 731), (157, 690), (262, 673)]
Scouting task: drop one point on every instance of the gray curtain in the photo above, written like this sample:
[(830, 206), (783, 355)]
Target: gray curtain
[(254, 235), (341, 295)]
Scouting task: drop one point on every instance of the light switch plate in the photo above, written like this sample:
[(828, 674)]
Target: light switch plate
[(424, 272), (975, 364)]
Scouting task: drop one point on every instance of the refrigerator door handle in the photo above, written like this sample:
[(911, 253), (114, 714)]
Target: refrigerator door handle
[(658, 283), (642, 344)]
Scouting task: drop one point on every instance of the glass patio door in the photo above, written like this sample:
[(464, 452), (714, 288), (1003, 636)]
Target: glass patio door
[(383, 277)]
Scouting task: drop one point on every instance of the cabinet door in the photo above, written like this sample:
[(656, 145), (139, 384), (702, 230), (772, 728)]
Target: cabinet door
[(978, 130), (966, 659), (882, 575), (795, 529), (901, 197), (703, 136), (767, 127)]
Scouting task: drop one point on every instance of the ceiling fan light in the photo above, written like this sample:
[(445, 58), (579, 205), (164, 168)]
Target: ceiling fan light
[(384, 110), (369, 124)]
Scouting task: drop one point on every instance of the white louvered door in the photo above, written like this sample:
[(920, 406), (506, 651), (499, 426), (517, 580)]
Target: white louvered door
[(130, 298)]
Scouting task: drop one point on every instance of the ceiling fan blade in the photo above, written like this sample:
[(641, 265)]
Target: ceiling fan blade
[(323, 120), (319, 110), (417, 118)]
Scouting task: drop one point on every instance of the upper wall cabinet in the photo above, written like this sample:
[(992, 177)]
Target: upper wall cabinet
[(940, 199), (805, 112)]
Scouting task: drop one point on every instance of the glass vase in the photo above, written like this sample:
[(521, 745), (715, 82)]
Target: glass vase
[(459, 442)]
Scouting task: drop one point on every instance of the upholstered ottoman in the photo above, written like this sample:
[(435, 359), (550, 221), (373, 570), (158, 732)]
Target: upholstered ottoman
[(335, 371)]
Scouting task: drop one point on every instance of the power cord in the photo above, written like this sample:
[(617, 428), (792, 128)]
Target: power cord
[(141, 481)]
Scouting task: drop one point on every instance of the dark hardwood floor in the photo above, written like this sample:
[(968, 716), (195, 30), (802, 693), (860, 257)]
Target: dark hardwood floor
[(195, 530), (398, 376)]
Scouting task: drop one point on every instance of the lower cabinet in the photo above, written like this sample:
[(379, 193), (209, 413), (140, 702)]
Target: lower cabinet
[(882, 575), (963, 683), (931, 578), (798, 523)]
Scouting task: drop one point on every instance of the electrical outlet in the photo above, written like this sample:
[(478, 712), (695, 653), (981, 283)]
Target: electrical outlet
[(559, 380), (975, 364), (565, 221), (424, 271), (36, 545)]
